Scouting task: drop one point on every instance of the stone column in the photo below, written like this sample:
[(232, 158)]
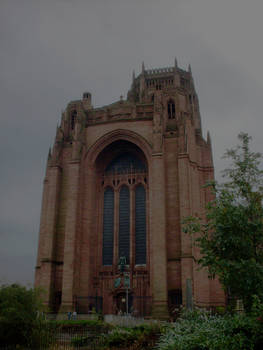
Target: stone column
[(158, 237), (185, 193), (89, 249), (41, 231), (116, 228), (44, 272), (70, 237)]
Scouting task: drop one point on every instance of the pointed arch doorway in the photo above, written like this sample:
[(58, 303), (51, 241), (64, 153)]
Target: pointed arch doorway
[(121, 302)]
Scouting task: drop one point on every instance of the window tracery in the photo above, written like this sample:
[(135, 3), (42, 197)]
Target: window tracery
[(126, 176)]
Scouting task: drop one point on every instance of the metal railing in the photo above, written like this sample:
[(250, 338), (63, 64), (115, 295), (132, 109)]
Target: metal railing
[(61, 339)]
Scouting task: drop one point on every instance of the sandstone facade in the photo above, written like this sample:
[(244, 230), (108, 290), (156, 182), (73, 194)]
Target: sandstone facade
[(119, 181)]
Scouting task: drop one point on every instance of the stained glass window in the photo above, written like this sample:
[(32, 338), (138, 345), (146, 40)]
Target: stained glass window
[(108, 226), (124, 223), (140, 225)]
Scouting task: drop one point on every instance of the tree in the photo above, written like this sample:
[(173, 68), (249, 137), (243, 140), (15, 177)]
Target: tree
[(19, 314), (231, 237)]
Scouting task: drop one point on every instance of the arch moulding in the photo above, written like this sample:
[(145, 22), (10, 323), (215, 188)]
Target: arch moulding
[(117, 135)]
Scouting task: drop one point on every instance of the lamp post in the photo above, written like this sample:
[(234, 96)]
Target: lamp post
[(127, 301), (126, 282), (127, 285)]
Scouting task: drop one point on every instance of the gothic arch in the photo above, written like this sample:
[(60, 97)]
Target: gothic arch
[(120, 230), (117, 135)]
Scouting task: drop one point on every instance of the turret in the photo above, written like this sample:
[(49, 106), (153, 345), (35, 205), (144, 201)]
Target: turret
[(175, 63), (86, 101), (142, 83), (143, 68), (49, 158), (208, 138)]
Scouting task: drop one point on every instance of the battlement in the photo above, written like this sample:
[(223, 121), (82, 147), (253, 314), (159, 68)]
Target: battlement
[(157, 71), (166, 79)]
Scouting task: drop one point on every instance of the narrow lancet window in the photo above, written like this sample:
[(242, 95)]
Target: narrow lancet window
[(171, 109), (124, 223), (140, 225), (73, 119), (108, 226)]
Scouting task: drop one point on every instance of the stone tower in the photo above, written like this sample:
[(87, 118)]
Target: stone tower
[(119, 180)]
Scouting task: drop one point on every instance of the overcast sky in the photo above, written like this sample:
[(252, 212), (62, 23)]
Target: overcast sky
[(51, 51)]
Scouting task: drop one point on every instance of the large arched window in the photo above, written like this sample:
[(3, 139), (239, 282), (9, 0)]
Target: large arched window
[(108, 226), (171, 109), (125, 163), (124, 183), (124, 223), (140, 225)]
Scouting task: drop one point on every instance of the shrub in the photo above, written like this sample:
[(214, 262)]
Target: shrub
[(20, 323), (140, 337), (200, 330)]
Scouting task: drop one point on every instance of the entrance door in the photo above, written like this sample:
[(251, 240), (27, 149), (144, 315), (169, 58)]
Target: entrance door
[(121, 302)]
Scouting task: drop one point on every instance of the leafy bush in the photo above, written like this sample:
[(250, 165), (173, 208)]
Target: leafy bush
[(141, 337), (230, 239), (20, 323), (115, 338), (83, 341), (199, 330)]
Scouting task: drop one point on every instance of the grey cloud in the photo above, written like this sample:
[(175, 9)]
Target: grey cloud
[(52, 51)]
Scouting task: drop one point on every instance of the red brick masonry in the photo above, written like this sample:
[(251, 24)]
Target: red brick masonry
[(160, 124)]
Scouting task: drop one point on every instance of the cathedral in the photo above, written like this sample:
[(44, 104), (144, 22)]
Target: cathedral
[(119, 181)]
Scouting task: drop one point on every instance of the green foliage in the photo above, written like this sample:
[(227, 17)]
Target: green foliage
[(231, 237), (140, 337), (20, 321), (121, 337), (83, 341), (257, 309), (199, 330)]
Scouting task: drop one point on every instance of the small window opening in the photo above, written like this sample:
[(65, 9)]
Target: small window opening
[(73, 119), (171, 109), (175, 298)]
